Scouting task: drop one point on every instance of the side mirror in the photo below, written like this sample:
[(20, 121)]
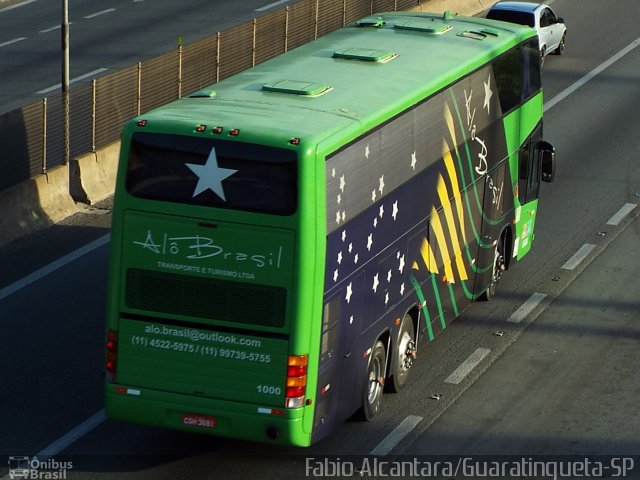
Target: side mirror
[(547, 161), (560, 20)]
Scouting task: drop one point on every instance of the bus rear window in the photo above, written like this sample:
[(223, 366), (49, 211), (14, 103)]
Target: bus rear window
[(212, 173)]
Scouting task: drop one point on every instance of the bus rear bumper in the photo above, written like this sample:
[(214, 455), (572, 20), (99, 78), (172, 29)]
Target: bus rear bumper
[(205, 415)]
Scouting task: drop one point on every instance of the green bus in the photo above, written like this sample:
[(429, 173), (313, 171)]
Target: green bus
[(284, 241)]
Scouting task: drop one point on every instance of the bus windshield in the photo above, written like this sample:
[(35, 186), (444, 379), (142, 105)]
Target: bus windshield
[(213, 173)]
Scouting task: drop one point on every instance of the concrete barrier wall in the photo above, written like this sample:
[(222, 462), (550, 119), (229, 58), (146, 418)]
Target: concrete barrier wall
[(90, 178)]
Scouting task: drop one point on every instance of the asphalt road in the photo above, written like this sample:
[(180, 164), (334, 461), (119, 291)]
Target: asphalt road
[(559, 379), (104, 36)]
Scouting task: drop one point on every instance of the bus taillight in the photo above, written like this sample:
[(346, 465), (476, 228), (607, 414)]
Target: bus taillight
[(296, 380), (112, 350)]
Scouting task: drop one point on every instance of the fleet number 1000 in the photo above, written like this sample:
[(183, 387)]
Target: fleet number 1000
[(269, 389)]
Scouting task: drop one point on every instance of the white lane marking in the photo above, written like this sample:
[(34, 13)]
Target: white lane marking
[(12, 41), (22, 4), (78, 432), (101, 12), (527, 307), (77, 79), (53, 266), (579, 256), (51, 29), (398, 433), (271, 5), (591, 75), (626, 209), (469, 364)]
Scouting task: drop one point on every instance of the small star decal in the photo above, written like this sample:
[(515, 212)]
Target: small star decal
[(381, 184), (376, 282), (349, 292)]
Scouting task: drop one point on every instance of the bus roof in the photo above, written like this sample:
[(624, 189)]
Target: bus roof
[(346, 81)]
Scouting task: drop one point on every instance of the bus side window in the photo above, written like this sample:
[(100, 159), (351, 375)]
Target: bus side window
[(330, 317), (529, 174)]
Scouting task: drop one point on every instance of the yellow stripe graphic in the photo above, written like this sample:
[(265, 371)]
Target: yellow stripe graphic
[(441, 242), (451, 170), (448, 118), (443, 194), (427, 255)]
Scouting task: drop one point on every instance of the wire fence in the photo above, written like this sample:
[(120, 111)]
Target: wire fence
[(33, 138)]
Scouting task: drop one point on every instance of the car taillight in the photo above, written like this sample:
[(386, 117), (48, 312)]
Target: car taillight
[(112, 351), (296, 380)]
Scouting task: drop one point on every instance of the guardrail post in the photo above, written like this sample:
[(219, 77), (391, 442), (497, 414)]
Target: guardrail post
[(44, 135), (286, 29), (93, 114), (253, 46), (217, 57), (139, 91), (315, 33), (180, 66)]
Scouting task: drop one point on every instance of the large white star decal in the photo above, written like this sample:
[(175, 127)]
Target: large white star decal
[(210, 175), (349, 292)]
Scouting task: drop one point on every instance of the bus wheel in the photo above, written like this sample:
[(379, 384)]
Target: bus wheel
[(499, 266), (405, 354), (372, 394)]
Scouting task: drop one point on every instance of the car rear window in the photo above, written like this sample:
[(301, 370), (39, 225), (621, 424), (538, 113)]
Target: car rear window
[(522, 18)]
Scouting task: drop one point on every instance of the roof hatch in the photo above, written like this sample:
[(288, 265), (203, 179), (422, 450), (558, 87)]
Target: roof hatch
[(434, 26), (297, 87), (366, 54), (205, 93), (371, 22)]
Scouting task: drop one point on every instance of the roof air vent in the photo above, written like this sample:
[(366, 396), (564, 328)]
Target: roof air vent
[(366, 54), (206, 93), (432, 26), (297, 87), (473, 34), (376, 22)]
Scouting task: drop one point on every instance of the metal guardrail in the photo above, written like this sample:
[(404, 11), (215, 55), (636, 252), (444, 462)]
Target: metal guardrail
[(33, 139)]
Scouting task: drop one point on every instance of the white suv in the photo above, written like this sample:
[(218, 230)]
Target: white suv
[(551, 29)]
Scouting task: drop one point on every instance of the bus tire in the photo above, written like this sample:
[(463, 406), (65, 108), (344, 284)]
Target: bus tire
[(499, 266), (404, 354), (374, 384)]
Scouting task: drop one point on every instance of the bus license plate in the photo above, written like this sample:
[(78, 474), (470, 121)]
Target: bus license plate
[(200, 421)]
